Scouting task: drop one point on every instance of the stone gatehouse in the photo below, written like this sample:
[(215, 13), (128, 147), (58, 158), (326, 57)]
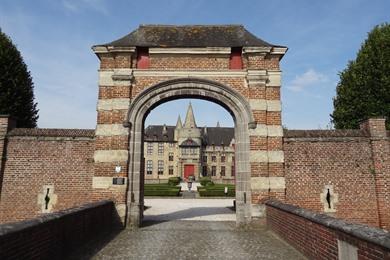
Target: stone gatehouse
[(342, 172)]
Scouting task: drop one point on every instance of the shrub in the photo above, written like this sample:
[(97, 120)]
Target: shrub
[(173, 181), (217, 190), (209, 184), (163, 192), (204, 180)]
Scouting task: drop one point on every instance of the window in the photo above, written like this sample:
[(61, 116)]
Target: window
[(149, 149), (171, 145), (223, 171), (170, 157), (170, 170), (160, 148), (213, 170), (184, 151), (236, 58), (160, 169), (193, 150), (204, 170), (213, 158), (233, 171), (204, 158), (223, 158), (142, 58), (149, 167)]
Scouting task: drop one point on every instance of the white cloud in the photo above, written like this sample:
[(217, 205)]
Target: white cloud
[(308, 79)]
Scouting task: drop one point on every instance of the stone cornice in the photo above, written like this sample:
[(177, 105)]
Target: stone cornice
[(207, 50), (189, 73), (109, 49)]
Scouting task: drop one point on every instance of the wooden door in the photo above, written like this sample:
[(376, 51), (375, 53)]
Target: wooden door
[(189, 170)]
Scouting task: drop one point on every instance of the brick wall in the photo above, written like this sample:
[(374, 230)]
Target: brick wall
[(56, 235), (319, 236), (38, 157), (352, 162)]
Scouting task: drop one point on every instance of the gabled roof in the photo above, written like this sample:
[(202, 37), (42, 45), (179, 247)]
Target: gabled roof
[(190, 36), (154, 133), (213, 136), (189, 143), (218, 136)]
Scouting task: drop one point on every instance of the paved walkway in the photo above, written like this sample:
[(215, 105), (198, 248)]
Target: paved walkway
[(180, 232), (189, 209)]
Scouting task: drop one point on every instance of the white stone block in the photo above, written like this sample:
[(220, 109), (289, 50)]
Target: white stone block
[(260, 130), (266, 183), (274, 78), (258, 156), (276, 156), (111, 155), (258, 104), (114, 103), (274, 105), (275, 130), (111, 130)]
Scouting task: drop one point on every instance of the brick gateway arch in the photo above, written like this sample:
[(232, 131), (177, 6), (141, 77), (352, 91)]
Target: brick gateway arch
[(209, 90), (225, 64)]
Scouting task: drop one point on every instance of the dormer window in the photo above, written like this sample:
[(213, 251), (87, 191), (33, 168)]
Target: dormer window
[(236, 58), (142, 58)]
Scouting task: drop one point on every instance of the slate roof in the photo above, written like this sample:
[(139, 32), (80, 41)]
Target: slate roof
[(218, 135), (155, 133), (190, 36), (52, 132), (215, 135)]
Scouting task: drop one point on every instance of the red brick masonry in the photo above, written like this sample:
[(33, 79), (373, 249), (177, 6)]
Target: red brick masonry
[(316, 235), (56, 235)]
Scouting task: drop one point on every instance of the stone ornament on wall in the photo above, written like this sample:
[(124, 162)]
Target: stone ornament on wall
[(329, 199), (47, 199)]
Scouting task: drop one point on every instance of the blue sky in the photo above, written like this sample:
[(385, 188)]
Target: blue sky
[(55, 37)]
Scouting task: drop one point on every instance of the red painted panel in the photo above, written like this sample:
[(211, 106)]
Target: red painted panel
[(189, 170), (142, 58), (235, 58)]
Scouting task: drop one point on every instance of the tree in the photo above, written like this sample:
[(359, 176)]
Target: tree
[(364, 87), (16, 86)]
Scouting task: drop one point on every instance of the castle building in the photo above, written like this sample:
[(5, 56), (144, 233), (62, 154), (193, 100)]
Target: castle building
[(188, 150)]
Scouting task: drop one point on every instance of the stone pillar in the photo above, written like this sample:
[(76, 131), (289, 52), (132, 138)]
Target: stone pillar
[(112, 137), (266, 140), (380, 148)]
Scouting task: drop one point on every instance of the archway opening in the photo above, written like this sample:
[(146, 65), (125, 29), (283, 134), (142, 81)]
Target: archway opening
[(207, 90), (188, 162)]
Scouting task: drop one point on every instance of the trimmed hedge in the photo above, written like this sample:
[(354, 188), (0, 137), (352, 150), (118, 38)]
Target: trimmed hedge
[(161, 189), (217, 190), (173, 181), (170, 192), (204, 180)]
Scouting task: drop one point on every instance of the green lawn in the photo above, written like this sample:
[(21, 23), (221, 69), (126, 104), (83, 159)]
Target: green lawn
[(161, 189)]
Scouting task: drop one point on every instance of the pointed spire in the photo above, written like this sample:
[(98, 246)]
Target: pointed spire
[(165, 130), (179, 124), (218, 125), (190, 119)]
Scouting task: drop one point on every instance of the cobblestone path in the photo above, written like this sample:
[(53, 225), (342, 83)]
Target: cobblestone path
[(195, 240)]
